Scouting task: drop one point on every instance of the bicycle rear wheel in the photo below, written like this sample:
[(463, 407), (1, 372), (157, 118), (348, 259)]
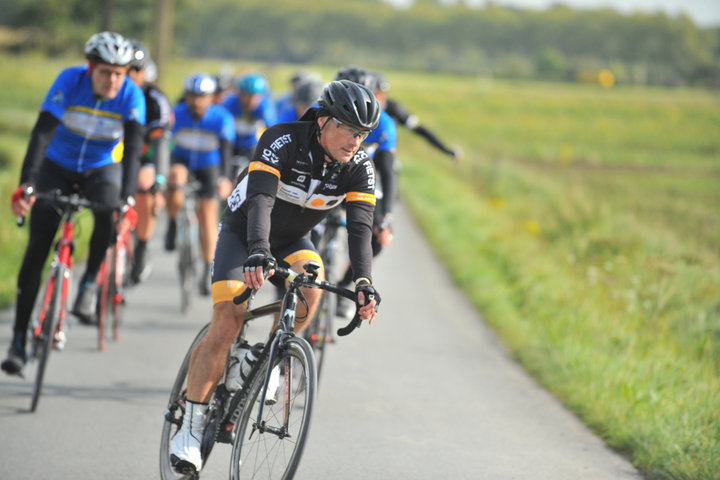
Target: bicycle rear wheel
[(272, 448), (175, 412), (43, 341)]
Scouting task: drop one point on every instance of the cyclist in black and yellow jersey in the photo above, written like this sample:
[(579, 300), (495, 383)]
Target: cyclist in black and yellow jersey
[(300, 171)]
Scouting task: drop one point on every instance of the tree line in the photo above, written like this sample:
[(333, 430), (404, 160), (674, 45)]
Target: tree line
[(559, 43)]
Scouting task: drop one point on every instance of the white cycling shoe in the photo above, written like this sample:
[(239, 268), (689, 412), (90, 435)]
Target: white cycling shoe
[(185, 446)]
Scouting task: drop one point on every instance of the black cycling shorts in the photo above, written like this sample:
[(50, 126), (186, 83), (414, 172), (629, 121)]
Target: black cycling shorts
[(207, 177), (231, 253)]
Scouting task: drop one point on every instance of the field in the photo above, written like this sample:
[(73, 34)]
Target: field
[(583, 222)]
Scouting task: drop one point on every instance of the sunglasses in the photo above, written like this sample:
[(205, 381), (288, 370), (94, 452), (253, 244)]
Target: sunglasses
[(349, 131)]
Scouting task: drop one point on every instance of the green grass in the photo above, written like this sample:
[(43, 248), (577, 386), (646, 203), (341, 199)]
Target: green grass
[(601, 271), (584, 224)]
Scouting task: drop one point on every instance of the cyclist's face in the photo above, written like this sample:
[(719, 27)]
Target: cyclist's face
[(198, 104), (107, 80), (339, 139), (137, 76)]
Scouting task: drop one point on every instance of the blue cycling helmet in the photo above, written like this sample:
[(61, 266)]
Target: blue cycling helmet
[(199, 84), (252, 84)]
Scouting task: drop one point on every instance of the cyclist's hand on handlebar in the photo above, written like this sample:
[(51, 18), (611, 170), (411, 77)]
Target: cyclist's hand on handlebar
[(368, 300), (255, 267), (21, 202)]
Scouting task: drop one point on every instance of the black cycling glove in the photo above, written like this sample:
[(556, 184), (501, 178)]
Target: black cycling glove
[(259, 259), (370, 294)]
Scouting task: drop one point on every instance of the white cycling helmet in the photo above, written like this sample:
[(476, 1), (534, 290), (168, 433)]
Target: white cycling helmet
[(110, 48)]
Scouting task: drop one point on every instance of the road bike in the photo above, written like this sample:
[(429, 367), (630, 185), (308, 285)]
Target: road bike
[(268, 436), (326, 239), (187, 241), (113, 275), (47, 330)]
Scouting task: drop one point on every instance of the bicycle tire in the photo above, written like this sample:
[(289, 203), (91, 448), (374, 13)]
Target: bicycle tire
[(175, 412), (105, 298), (119, 272), (252, 449), (50, 320)]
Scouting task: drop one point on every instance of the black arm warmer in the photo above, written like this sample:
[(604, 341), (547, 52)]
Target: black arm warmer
[(430, 137), (42, 134), (384, 161), (133, 145), (226, 151)]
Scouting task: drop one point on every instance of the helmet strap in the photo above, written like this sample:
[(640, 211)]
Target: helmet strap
[(327, 154)]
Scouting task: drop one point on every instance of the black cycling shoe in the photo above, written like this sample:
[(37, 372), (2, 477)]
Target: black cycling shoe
[(170, 235), (15, 360), (85, 306), (205, 285), (141, 267)]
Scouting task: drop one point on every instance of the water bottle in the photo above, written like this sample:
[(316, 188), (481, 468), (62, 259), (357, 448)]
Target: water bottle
[(233, 378), (242, 359), (250, 360)]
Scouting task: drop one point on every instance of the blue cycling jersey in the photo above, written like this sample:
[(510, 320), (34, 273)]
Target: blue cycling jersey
[(285, 108), (248, 128), (197, 142), (90, 130), (384, 137)]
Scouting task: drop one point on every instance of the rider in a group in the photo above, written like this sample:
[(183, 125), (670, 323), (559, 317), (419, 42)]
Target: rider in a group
[(89, 134), (155, 160), (299, 172), (203, 135), (381, 145), (403, 117), (286, 103), (253, 110), (305, 95)]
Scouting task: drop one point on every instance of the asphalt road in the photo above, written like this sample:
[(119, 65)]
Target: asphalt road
[(427, 392)]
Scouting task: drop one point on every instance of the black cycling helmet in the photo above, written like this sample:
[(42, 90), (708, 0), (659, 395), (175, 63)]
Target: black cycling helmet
[(110, 48), (199, 84), (356, 74), (351, 102), (140, 55)]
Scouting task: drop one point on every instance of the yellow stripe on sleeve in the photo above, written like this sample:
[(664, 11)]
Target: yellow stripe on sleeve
[(259, 166), (361, 197)]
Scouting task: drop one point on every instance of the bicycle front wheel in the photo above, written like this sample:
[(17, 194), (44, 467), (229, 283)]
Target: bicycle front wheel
[(175, 412), (271, 446), (43, 341)]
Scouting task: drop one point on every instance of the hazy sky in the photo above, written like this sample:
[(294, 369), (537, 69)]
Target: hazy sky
[(703, 12)]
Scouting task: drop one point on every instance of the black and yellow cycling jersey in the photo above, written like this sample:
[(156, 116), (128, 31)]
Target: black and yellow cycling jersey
[(289, 187)]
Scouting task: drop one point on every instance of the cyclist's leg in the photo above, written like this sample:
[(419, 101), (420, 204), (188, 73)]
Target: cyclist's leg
[(207, 210), (207, 361), (101, 185), (175, 197), (295, 256), (145, 207), (44, 222), (177, 178)]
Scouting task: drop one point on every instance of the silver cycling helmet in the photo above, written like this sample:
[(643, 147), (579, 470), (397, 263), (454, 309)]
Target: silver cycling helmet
[(110, 48), (351, 102)]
